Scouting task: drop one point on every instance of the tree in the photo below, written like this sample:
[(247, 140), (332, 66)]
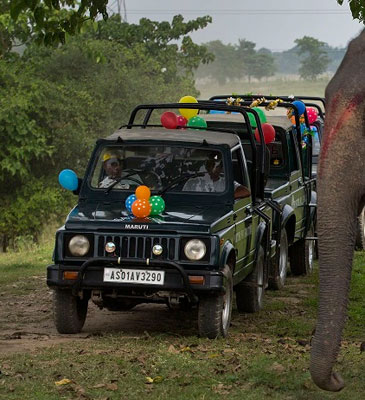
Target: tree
[(46, 21), (263, 65), (314, 58), (357, 8), (56, 101)]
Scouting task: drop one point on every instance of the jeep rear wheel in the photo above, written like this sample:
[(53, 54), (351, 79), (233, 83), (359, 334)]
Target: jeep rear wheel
[(214, 312), (250, 293), (360, 234), (302, 255), (279, 269), (69, 311)]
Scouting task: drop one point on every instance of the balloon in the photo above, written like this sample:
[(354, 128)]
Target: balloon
[(268, 131), (261, 113), (197, 122), (143, 192), (300, 106), (169, 120), (68, 179), (181, 121), (129, 201), (141, 208), (186, 112), (262, 117), (312, 114), (157, 205), (301, 119)]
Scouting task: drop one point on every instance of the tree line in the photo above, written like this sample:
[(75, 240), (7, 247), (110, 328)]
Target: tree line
[(309, 58), (56, 100)]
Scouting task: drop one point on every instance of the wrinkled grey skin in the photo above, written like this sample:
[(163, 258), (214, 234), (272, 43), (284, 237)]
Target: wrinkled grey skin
[(341, 196)]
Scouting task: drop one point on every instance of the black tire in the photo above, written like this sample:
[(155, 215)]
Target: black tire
[(279, 267), (250, 293), (360, 234), (69, 311), (214, 312), (301, 255)]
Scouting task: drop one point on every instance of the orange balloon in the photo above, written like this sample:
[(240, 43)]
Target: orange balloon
[(143, 192), (141, 208)]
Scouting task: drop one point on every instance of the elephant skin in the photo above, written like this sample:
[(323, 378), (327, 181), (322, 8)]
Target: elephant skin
[(341, 197)]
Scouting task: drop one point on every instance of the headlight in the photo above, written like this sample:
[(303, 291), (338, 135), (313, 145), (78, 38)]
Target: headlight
[(79, 245), (195, 249)]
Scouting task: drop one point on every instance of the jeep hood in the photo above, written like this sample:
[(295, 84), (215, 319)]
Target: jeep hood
[(178, 218)]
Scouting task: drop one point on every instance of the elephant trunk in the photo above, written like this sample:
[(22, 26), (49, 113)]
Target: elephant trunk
[(336, 232)]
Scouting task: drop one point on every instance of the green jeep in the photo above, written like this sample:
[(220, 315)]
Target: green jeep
[(210, 240), (290, 186)]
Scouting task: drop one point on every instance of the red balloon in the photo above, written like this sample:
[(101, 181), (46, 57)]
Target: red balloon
[(181, 121), (268, 131), (312, 114), (169, 120)]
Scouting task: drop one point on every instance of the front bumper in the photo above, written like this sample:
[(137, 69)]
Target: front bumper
[(91, 273)]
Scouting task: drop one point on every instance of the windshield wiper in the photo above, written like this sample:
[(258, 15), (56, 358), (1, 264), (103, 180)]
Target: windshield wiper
[(134, 172), (180, 179)]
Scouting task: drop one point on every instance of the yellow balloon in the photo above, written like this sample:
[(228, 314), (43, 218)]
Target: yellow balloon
[(185, 112)]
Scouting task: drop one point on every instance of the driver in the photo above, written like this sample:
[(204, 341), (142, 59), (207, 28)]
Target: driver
[(112, 165), (213, 180)]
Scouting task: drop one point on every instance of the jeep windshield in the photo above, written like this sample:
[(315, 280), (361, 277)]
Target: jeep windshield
[(123, 167)]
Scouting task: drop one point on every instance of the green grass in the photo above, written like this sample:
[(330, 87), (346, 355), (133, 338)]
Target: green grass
[(266, 354), (275, 87)]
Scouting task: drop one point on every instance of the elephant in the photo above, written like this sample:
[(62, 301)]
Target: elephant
[(341, 198)]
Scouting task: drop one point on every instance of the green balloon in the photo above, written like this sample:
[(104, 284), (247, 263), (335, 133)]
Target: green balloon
[(197, 122), (157, 205), (261, 114)]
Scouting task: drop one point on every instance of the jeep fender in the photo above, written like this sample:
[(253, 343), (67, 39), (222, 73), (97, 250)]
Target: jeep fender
[(260, 239), (288, 222), (227, 250)]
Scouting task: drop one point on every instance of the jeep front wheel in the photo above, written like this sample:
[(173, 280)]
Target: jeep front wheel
[(279, 268), (250, 293), (301, 255), (69, 311), (214, 312)]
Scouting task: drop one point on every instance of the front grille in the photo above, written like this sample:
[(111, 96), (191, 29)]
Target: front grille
[(139, 247)]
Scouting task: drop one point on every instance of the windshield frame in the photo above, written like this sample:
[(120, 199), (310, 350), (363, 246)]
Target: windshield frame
[(98, 194)]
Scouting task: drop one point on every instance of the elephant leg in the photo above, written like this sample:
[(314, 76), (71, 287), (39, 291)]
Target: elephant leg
[(336, 232)]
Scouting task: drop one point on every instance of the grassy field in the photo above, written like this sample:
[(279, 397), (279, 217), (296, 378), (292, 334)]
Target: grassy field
[(275, 87), (265, 356)]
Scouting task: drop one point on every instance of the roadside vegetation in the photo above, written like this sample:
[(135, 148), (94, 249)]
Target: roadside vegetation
[(153, 351)]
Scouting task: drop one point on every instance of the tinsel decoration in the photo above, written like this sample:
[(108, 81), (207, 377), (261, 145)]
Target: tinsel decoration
[(257, 102), (273, 104)]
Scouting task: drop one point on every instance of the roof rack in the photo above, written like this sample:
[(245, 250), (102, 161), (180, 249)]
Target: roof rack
[(287, 99), (211, 105)]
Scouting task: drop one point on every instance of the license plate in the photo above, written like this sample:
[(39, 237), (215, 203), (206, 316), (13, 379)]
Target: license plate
[(126, 275)]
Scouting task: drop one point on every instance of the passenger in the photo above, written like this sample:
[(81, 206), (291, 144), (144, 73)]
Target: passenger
[(112, 165)]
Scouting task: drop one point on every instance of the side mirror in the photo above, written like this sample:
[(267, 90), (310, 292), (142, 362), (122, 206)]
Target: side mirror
[(69, 180)]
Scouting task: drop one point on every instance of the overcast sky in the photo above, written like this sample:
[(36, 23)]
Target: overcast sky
[(273, 24)]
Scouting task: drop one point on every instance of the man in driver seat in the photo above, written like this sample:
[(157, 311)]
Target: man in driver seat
[(112, 165)]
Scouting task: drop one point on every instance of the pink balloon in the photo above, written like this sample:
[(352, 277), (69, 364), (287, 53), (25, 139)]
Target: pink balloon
[(268, 131), (312, 114), (169, 120), (181, 121)]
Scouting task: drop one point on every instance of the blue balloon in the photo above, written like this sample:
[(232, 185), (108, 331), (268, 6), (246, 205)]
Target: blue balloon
[(300, 106), (129, 201), (68, 179)]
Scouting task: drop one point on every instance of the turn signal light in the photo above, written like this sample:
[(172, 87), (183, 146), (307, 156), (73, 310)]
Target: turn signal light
[(71, 275), (196, 280)]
